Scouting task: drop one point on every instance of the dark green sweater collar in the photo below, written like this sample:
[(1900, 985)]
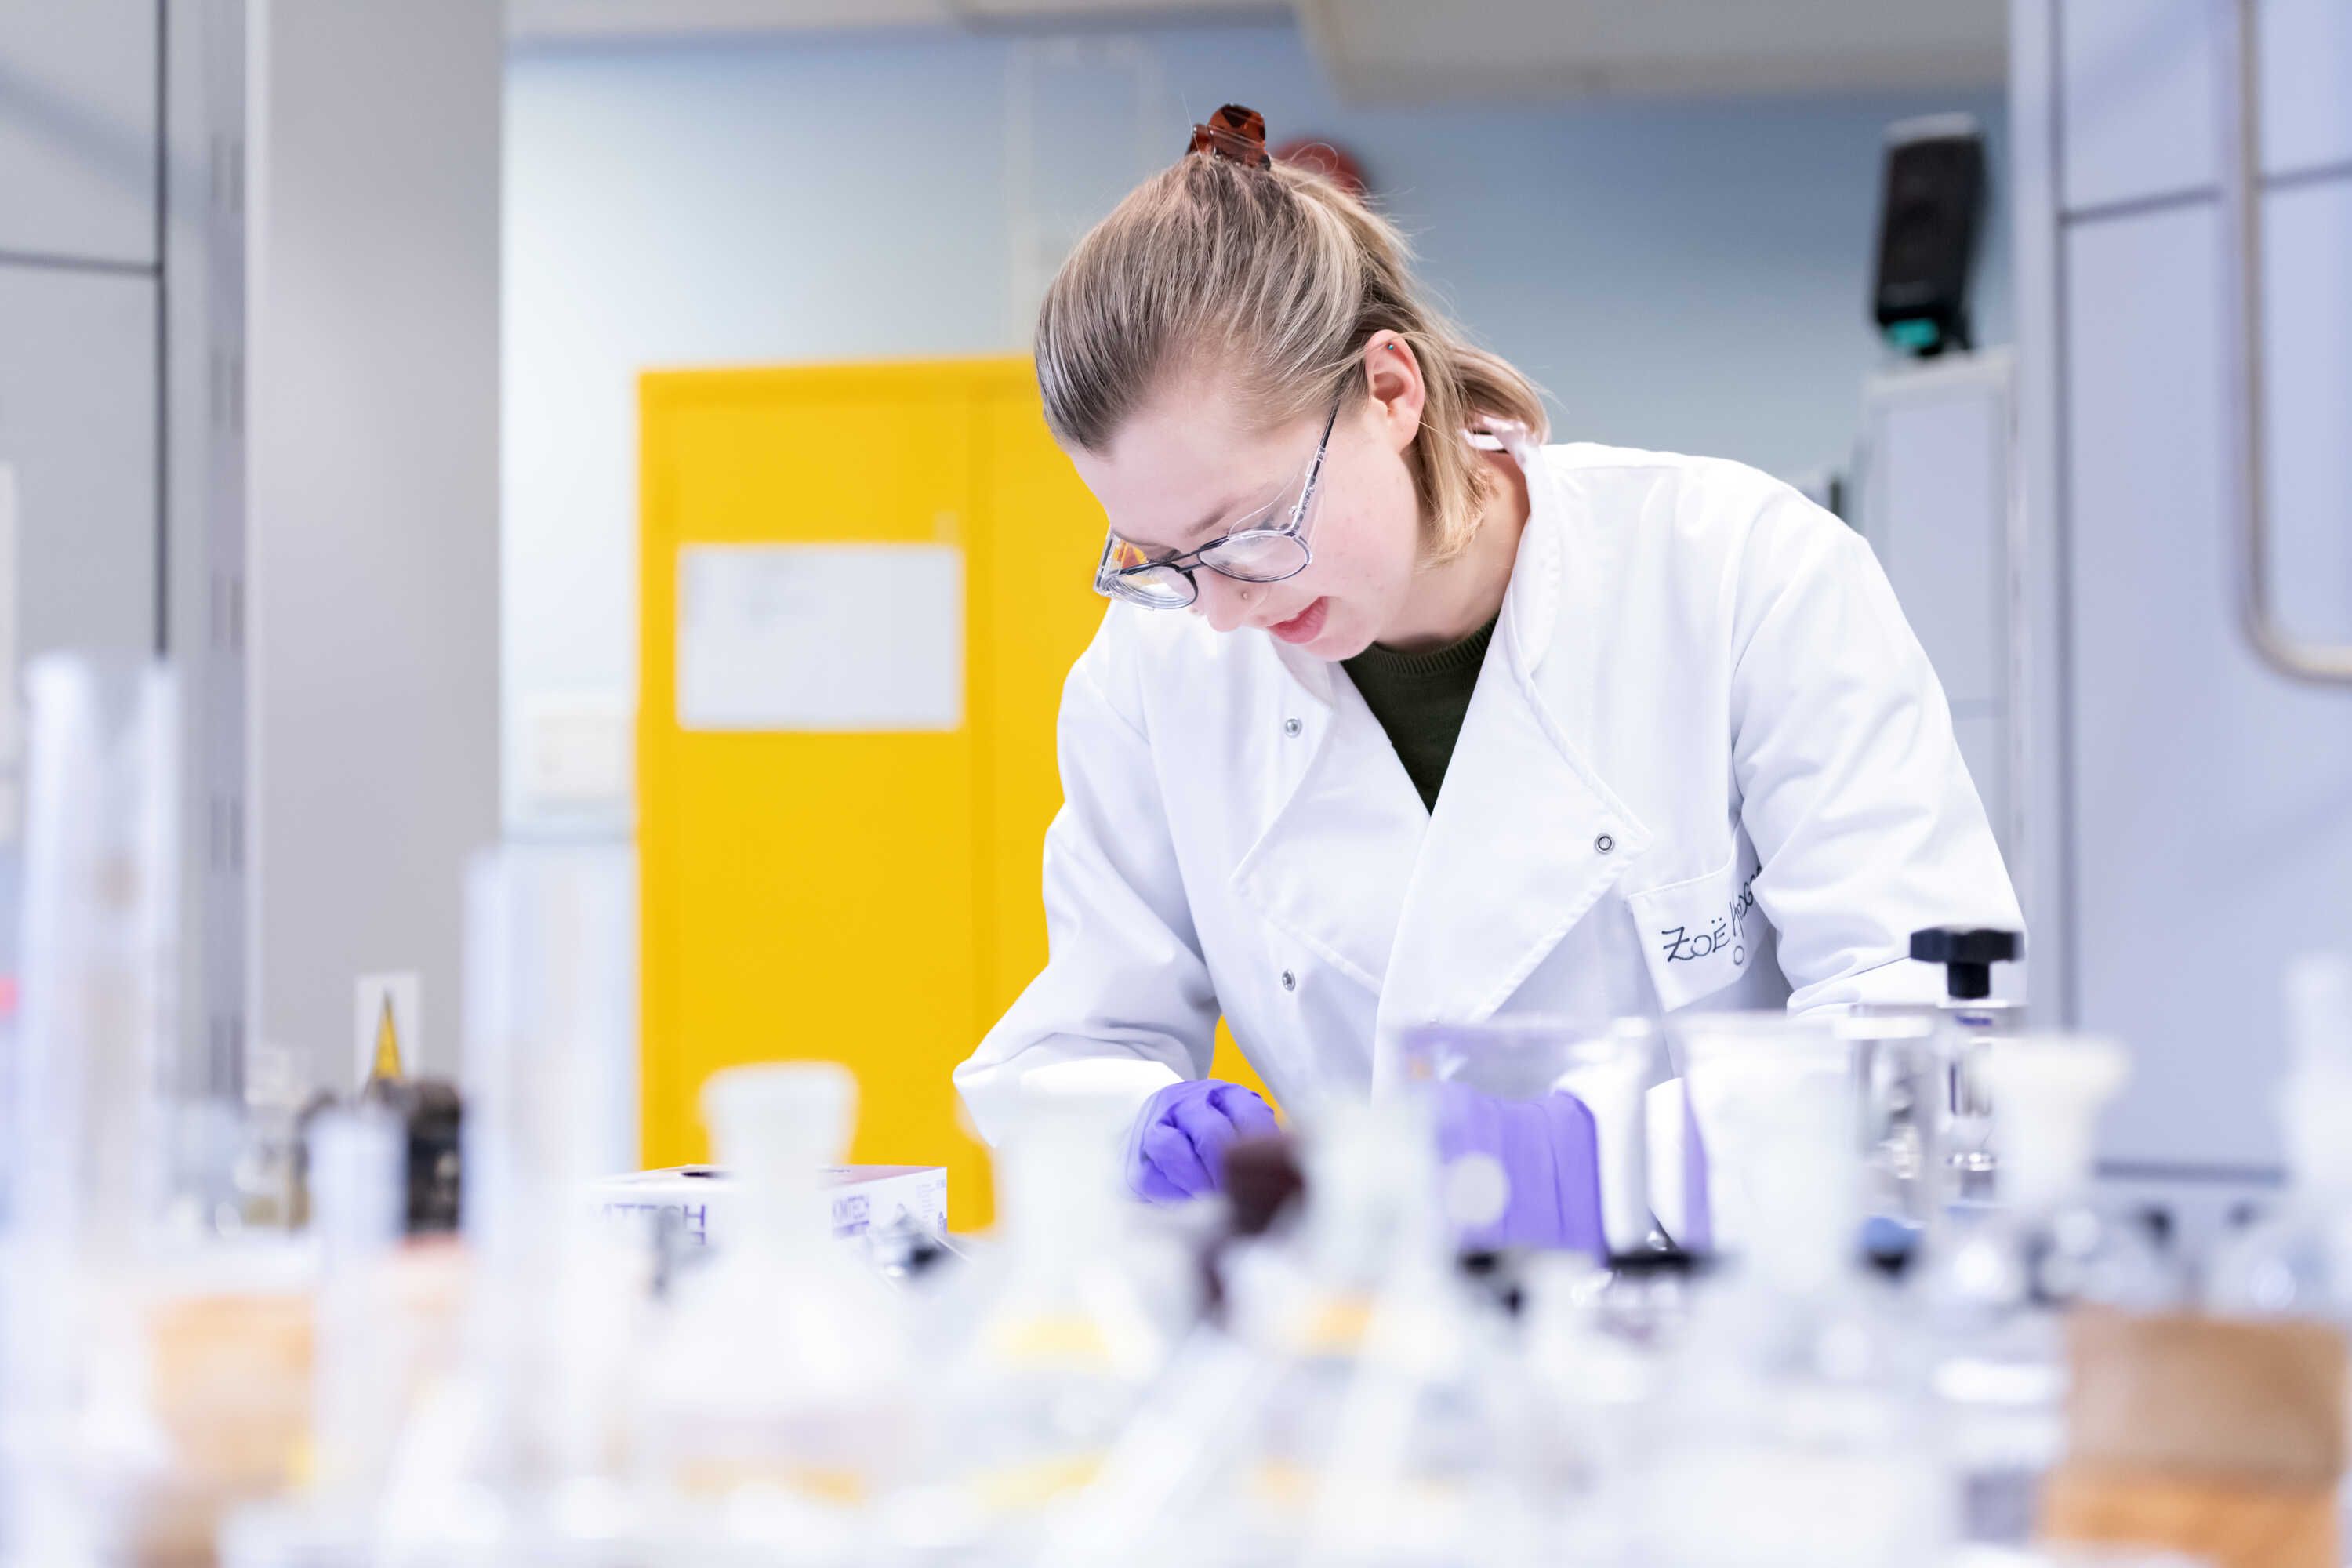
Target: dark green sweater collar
[(1391, 663)]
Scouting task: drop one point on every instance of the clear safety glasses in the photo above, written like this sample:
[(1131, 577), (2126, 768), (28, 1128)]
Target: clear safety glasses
[(1270, 546)]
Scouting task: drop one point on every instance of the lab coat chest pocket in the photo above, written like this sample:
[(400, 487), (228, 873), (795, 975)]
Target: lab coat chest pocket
[(1700, 934)]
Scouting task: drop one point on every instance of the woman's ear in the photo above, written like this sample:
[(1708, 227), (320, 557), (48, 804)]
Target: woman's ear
[(1393, 373)]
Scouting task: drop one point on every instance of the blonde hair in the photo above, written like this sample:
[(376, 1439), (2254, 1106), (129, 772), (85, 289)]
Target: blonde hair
[(1275, 278)]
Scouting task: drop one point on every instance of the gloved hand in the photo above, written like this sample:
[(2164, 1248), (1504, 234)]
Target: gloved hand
[(1550, 1153), (1177, 1148)]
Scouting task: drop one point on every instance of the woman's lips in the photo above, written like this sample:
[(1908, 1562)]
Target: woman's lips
[(1304, 626)]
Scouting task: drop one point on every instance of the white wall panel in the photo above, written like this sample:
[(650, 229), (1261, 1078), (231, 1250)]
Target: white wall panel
[(78, 116), (2308, 84), (2141, 104), (2213, 834), (1938, 514), (2138, 113), (78, 424), (373, 510)]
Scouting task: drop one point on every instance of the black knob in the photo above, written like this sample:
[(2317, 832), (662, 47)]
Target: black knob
[(1968, 956), (1958, 945)]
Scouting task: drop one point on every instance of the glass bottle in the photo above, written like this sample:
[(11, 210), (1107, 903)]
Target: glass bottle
[(1052, 1338), (1376, 1434), (775, 1405)]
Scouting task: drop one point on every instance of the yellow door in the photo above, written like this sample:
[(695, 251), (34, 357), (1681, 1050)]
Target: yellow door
[(868, 897)]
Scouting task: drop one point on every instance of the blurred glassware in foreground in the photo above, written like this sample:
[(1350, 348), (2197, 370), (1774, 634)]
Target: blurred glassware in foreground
[(1050, 1341), (89, 1154), (1796, 1425), (1997, 1279), (775, 1405), (1375, 1429), (520, 1453), (1070, 1395), (1738, 1069), (1901, 1077), (1953, 1112), (359, 1376)]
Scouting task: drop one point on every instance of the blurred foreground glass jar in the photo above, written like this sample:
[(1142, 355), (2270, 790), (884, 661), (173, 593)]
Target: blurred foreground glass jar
[(1946, 1109), (1373, 1431), (775, 1408), (1048, 1343), (1995, 1281)]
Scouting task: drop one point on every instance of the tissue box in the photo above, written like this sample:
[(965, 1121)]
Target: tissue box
[(858, 1199)]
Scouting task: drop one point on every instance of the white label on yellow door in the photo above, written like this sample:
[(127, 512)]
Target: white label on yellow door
[(820, 637)]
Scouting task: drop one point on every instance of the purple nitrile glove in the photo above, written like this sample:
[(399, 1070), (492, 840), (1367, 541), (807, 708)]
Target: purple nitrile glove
[(1550, 1153), (1177, 1149)]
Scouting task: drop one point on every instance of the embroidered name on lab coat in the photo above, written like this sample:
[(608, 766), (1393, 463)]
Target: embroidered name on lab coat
[(1727, 931)]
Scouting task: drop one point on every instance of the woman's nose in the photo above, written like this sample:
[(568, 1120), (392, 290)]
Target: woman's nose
[(1223, 601)]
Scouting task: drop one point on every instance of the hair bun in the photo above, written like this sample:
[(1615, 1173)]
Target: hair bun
[(1235, 134)]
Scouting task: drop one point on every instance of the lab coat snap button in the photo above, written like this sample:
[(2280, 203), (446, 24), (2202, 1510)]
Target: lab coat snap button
[(1604, 844), (1289, 981), (1291, 726)]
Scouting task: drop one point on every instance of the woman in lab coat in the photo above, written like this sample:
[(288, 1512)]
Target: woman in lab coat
[(1402, 716)]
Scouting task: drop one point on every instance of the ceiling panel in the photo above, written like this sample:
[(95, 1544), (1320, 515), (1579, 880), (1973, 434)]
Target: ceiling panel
[(1412, 52)]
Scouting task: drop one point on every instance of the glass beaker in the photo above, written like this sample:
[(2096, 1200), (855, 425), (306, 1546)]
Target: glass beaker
[(1959, 1121), (1902, 1084)]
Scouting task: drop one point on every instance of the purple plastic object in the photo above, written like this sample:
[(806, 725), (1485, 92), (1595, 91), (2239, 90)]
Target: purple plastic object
[(1177, 1148), (1549, 1152)]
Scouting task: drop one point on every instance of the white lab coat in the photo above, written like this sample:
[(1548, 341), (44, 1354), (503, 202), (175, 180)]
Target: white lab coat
[(1706, 763)]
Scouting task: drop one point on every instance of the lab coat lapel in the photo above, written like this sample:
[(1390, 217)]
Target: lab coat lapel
[(1526, 837), (1342, 824)]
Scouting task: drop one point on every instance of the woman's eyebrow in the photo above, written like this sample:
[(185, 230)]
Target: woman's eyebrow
[(1194, 532), (1216, 515)]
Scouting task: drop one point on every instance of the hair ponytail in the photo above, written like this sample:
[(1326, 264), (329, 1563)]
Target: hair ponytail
[(1273, 275)]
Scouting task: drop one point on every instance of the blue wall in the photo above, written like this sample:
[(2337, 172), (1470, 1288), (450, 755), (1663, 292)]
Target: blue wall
[(1688, 275)]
